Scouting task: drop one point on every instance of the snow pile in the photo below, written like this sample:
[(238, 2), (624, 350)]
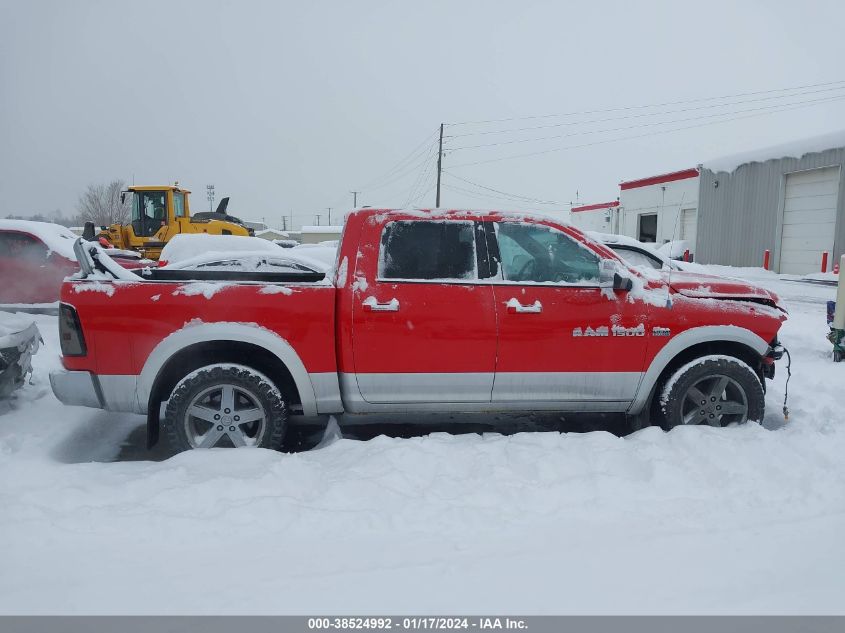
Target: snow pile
[(13, 323), (794, 149), (742, 520), (205, 288), (327, 256), (15, 329), (250, 261), (94, 286), (56, 237), (188, 245), (324, 229), (275, 290), (674, 249)]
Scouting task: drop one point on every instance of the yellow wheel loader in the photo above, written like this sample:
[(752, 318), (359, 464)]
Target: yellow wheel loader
[(159, 213)]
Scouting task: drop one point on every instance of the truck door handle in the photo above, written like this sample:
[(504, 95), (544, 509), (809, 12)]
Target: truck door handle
[(371, 305), (515, 307)]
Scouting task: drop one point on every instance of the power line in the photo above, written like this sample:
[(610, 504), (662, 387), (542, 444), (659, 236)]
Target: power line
[(418, 183), (402, 163), (484, 196), (636, 136), (406, 165), (642, 125), (643, 115), (504, 193), (421, 195), (410, 169), (652, 105), (439, 166)]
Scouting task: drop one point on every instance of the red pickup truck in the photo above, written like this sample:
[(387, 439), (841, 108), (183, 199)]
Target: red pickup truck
[(452, 311)]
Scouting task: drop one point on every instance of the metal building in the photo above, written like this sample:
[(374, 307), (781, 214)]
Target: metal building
[(788, 199), (595, 217), (660, 208)]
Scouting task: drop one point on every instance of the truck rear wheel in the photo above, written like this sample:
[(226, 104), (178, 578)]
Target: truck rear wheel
[(225, 405), (712, 390)]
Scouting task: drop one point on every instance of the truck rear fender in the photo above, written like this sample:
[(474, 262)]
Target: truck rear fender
[(317, 393), (711, 339)]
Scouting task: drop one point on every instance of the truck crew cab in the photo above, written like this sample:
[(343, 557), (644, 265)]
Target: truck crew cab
[(451, 311)]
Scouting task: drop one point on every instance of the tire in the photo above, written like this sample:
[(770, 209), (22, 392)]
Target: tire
[(225, 405), (712, 390)]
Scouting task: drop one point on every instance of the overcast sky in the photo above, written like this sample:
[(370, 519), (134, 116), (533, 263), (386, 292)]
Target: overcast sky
[(288, 106)]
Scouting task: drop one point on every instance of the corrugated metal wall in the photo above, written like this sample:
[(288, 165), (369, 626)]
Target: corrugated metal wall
[(740, 218)]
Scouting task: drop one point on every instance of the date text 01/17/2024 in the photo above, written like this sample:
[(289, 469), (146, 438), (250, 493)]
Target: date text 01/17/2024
[(431, 623)]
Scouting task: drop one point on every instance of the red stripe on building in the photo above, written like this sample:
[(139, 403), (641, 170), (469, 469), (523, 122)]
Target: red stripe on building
[(656, 180), (592, 207)]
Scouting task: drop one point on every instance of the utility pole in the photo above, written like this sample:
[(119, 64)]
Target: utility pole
[(318, 219), (284, 223), (330, 215), (354, 199), (439, 166)]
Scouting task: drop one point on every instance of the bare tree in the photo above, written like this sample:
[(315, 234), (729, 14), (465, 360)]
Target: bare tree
[(101, 204)]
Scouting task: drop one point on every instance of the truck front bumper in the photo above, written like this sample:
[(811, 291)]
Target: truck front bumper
[(77, 388)]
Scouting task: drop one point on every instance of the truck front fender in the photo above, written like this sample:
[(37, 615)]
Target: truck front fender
[(685, 340)]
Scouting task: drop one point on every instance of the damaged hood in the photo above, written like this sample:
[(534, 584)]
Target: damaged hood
[(700, 286)]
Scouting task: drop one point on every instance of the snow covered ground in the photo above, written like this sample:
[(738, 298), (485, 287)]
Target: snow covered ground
[(746, 519)]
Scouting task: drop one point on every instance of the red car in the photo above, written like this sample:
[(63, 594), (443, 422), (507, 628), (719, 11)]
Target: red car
[(427, 311), (35, 258)]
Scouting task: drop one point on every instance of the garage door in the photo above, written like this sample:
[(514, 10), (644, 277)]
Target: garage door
[(688, 226), (809, 219)]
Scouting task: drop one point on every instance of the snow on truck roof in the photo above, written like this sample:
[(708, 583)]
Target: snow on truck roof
[(56, 237), (792, 149)]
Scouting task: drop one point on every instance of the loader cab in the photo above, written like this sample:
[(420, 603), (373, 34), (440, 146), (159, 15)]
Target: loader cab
[(156, 207)]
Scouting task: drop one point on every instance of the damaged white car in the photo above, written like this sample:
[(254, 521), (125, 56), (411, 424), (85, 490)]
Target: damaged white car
[(19, 340)]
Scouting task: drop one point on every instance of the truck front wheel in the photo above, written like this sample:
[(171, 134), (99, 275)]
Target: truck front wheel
[(712, 390), (225, 405)]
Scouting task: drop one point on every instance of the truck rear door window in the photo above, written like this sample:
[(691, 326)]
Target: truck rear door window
[(428, 250)]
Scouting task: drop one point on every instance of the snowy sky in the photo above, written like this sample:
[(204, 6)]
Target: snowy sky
[(287, 106)]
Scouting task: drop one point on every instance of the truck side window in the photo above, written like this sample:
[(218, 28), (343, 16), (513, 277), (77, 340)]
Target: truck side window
[(428, 249), (541, 254)]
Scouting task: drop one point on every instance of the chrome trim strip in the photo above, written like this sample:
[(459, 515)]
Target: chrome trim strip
[(544, 396), (425, 387), (565, 386)]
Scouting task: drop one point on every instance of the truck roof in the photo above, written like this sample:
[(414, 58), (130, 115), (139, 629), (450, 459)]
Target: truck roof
[(469, 214)]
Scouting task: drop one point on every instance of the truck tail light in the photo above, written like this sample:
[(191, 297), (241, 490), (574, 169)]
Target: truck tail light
[(70, 332)]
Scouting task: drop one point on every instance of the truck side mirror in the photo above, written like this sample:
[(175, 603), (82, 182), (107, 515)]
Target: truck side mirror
[(609, 276), (607, 270), (622, 283)]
